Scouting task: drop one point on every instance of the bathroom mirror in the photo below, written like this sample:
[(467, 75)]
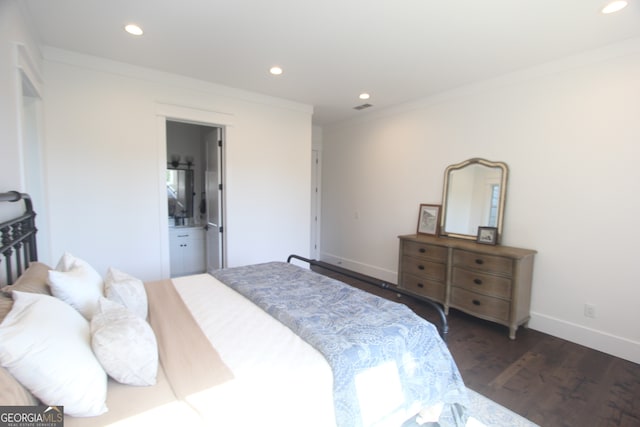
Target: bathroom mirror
[(180, 195), (473, 196)]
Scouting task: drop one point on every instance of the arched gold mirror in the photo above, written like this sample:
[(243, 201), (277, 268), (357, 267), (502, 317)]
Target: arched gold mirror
[(473, 196)]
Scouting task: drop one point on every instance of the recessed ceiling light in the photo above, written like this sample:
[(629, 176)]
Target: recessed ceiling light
[(364, 96), (133, 29), (614, 6), (276, 71)]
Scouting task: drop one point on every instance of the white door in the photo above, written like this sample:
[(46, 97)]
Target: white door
[(214, 199)]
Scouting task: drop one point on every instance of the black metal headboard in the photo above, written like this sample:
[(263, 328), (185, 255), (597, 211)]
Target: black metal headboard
[(18, 238)]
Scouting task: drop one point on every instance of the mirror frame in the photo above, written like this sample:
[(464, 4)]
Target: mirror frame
[(501, 203)]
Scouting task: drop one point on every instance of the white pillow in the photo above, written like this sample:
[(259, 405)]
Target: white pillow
[(75, 282), (124, 344), (44, 344), (68, 261), (126, 290)]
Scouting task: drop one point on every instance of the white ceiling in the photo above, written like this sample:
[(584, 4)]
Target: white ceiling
[(332, 50)]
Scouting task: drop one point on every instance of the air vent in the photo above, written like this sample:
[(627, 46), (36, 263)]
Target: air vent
[(362, 107)]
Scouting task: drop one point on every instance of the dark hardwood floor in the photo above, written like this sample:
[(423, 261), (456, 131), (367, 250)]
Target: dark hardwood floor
[(550, 381)]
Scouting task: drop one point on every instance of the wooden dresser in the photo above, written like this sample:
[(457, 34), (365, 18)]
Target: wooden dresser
[(490, 282)]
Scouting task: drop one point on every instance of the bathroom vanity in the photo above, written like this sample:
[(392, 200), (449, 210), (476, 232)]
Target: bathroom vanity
[(187, 250)]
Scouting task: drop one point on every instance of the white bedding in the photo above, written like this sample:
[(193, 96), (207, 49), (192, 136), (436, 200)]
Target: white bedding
[(279, 379)]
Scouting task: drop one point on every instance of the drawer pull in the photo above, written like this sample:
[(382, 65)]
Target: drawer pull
[(479, 261), (475, 302), (420, 285), (477, 281), (422, 250), (421, 267)]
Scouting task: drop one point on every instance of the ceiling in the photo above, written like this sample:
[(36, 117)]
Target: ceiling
[(332, 50)]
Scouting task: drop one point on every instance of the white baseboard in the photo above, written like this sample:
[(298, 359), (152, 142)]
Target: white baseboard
[(579, 334), (369, 270)]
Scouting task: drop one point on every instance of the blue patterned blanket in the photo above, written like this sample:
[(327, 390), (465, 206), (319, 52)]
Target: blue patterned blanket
[(387, 362)]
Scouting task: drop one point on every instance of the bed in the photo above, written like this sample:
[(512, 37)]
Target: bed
[(266, 344)]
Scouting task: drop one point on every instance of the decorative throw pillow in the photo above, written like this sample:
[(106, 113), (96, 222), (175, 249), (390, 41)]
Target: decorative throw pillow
[(75, 282), (68, 261), (33, 279), (45, 345), (126, 290), (124, 344)]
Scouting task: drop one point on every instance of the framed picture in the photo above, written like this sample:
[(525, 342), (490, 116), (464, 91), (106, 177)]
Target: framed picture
[(429, 219), (487, 235)]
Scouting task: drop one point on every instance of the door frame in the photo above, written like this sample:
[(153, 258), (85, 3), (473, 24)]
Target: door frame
[(316, 205), (29, 84), (197, 116), (220, 147)]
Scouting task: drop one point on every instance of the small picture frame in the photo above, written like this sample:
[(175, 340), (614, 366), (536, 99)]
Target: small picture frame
[(429, 219), (487, 235)]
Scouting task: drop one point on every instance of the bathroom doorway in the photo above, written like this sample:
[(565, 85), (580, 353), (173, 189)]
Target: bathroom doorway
[(197, 212)]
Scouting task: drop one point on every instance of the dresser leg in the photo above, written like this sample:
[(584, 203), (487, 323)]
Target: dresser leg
[(512, 331)]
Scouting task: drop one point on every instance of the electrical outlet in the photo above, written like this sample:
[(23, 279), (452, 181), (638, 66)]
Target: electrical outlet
[(590, 311)]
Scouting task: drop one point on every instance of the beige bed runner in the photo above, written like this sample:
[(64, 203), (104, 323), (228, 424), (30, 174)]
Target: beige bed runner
[(190, 362)]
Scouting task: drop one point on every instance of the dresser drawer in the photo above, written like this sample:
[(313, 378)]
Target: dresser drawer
[(423, 268), (482, 283), (480, 305), (423, 250), (482, 262), (424, 287)]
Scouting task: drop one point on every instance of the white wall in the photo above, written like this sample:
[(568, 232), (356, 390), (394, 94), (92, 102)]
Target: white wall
[(106, 164), (570, 134), (104, 157), (21, 147), (14, 31)]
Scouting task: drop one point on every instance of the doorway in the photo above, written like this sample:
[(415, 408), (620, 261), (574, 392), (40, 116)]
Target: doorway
[(30, 117), (199, 150)]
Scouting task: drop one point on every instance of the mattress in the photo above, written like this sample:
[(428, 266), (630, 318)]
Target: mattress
[(278, 379)]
